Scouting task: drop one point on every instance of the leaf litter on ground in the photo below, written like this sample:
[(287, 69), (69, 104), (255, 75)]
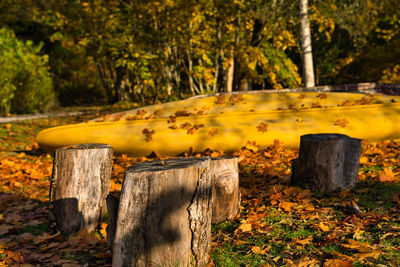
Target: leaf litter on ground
[(278, 224)]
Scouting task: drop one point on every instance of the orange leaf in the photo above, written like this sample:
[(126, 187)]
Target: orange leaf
[(213, 131), (341, 122), (324, 227), (287, 206), (337, 263), (387, 176)]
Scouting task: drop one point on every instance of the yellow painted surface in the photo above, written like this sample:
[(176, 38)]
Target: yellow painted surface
[(229, 124)]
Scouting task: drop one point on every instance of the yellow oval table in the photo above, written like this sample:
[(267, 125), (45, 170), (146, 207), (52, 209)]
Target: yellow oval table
[(228, 121)]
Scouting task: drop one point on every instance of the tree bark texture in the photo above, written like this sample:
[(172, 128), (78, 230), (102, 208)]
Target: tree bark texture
[(327, 162), (308, 66), (225, 193), (164, 214), (79, 185)]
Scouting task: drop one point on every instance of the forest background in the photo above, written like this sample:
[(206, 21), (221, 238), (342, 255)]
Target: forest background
[(96, 52)]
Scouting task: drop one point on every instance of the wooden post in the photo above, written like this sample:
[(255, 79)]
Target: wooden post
[(225, 194), (79, 185), (164, 215), (327, 162)]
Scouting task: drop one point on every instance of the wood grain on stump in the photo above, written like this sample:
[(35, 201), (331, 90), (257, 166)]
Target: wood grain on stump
[(164, 215), (327, 162), (225, 194), (79, 186)]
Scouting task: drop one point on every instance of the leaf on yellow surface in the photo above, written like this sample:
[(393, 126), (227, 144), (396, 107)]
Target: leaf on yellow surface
[(262, 127), (322, 96), (301, 96), (316, 105), (341, 122), (157, 112), (236, 98), (220, 100), (213, 131), (148, 134)]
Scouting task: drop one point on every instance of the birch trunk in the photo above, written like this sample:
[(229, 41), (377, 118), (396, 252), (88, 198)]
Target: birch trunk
[(308, 68)]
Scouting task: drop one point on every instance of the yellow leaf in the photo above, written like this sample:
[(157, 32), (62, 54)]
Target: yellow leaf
[(324, 227), (304, 241), (245, 227), (255, 249), (287, 206), (8, 126)]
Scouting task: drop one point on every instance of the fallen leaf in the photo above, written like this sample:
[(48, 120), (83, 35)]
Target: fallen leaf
[(341, 122), (337, 263), (324, 227), (373, 254), (244, 227), (387, 176), (262, 127), (304, 241), (213, 131), (287, 206), (322, 96)]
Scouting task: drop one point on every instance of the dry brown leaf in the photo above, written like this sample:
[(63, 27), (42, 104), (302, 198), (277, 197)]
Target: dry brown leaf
[(322, 96), (337, 263), (341, 122), (262, 127)]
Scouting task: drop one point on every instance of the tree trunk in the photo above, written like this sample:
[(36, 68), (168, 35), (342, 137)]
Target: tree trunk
[(79, 185), (308, 68), (327, 162), (229, 73), (225, 193), (164, 215)]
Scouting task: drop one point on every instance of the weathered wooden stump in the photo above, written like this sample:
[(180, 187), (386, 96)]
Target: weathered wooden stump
[(79, 186), (327, 162), (164, 214), (225, 193)]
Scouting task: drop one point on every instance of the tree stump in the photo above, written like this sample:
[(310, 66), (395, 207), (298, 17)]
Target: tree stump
[(164, 215), (327, 162), (225, 193), (79, 185)]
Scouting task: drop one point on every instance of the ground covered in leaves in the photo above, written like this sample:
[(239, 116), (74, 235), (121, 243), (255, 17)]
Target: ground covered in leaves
[(278, 225)]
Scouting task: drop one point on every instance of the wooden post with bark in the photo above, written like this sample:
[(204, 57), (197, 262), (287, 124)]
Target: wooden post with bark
[(225, 193), (327, 162), (164, 214), (79, 186)]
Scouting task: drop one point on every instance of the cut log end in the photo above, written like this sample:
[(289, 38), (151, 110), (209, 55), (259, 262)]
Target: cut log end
[(327, 162)]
